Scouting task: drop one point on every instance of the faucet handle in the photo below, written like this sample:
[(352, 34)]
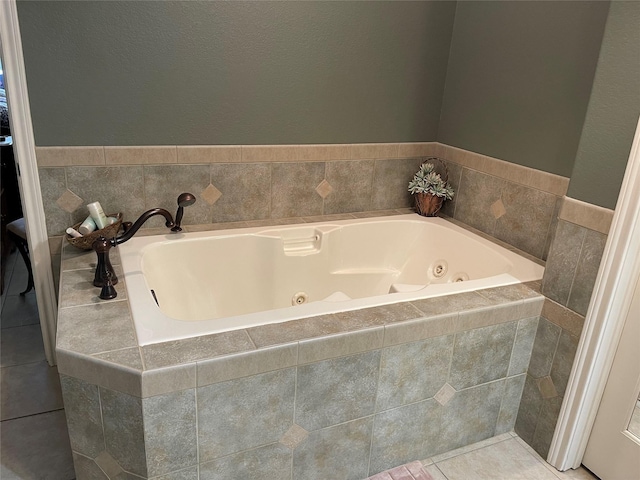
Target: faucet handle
[(108, 292)]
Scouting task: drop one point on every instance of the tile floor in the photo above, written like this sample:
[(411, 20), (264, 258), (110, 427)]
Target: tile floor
[(33, 430), (505, 457)]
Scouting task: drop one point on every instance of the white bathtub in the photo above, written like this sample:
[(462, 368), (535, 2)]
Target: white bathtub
[(211, 282)]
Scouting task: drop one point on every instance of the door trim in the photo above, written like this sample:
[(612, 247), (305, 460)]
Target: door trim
[(28, 179), (604, 322)]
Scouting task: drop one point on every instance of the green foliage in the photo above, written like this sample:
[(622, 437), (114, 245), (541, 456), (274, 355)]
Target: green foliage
[(427, 180)]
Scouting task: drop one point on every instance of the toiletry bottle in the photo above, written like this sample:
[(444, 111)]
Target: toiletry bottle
[(95, 209), (87, 226), (73, 232)]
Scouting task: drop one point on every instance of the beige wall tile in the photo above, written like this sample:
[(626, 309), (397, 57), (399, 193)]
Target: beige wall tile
[(374, 150), (209, 154), (563, 317), (324, 152), (64, 156), (549, 182), (586, 215), (508, 171), (270, 153), (417, 149), (140, 155)]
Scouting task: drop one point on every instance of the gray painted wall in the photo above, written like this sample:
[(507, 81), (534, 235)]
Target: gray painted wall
[(137, 73), (613, 111), (519, 79)]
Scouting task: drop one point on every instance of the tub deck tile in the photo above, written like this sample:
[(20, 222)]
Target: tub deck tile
[(96, 328), (451, 303), (198, 348), (378, 316), (294, 330), (128, 357), (518, 291), (76, 287)]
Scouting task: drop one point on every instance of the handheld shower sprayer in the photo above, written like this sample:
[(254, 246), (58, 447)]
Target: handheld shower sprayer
[(184, 200)]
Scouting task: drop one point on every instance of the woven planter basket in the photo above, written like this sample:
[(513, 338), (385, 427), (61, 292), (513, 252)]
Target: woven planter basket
[(428, 205), (86, 241)]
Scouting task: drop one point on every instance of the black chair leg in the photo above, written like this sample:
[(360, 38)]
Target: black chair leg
[(21, 244)]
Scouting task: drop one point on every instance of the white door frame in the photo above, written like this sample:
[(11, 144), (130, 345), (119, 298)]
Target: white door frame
[(610, 302), (25, 155)]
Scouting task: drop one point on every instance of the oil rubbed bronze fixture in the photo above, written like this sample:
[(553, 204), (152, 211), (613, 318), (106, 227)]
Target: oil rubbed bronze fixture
[(105, 276)]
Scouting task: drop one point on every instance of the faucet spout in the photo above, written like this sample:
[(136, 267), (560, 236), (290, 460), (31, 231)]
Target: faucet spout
[(131, 231)]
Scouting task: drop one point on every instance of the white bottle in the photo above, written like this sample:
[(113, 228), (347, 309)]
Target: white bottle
[(95, 209), (87, 226), (74, 233)]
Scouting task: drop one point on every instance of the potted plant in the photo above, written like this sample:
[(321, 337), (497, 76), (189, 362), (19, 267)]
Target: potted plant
[(430, 189)]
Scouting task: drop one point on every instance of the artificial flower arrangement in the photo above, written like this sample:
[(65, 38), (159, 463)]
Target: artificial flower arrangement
[(430, 189)]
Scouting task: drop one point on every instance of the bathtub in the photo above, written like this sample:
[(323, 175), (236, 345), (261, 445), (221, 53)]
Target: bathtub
[(191, 284)]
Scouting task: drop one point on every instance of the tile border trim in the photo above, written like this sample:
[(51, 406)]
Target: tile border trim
[(527, 176), (586, 215), (64, 156)]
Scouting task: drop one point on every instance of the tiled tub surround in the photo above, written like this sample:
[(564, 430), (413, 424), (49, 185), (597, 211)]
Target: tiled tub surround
[(513, 203), (338, 396), (569, 278), (516, 204)]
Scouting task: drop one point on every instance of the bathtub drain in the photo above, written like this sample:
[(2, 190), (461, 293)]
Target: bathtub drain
[(299, 298)]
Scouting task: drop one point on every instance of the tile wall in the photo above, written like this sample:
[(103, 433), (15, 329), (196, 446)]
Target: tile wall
[(523, 207), (412, 381), (569, 278), (284, 184)]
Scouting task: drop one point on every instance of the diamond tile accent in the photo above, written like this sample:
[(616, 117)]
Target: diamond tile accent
[(108, 464), (497, 209), (293, 436), (546, 387), (324, 189), (69, 201), (211, 194), (445, 394)]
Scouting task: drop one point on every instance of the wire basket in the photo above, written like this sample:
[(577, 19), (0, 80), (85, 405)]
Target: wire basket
[(86, 241)]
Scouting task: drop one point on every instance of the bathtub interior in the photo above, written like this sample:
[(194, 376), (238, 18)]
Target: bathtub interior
[(228, 275)]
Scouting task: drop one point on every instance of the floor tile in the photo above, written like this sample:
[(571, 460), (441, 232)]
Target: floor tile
[(507, 459), (19, 278), (36, 447), (580, 473), (29, 389), (21, 345), (19, 311), (470, 448), (435, 472)]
